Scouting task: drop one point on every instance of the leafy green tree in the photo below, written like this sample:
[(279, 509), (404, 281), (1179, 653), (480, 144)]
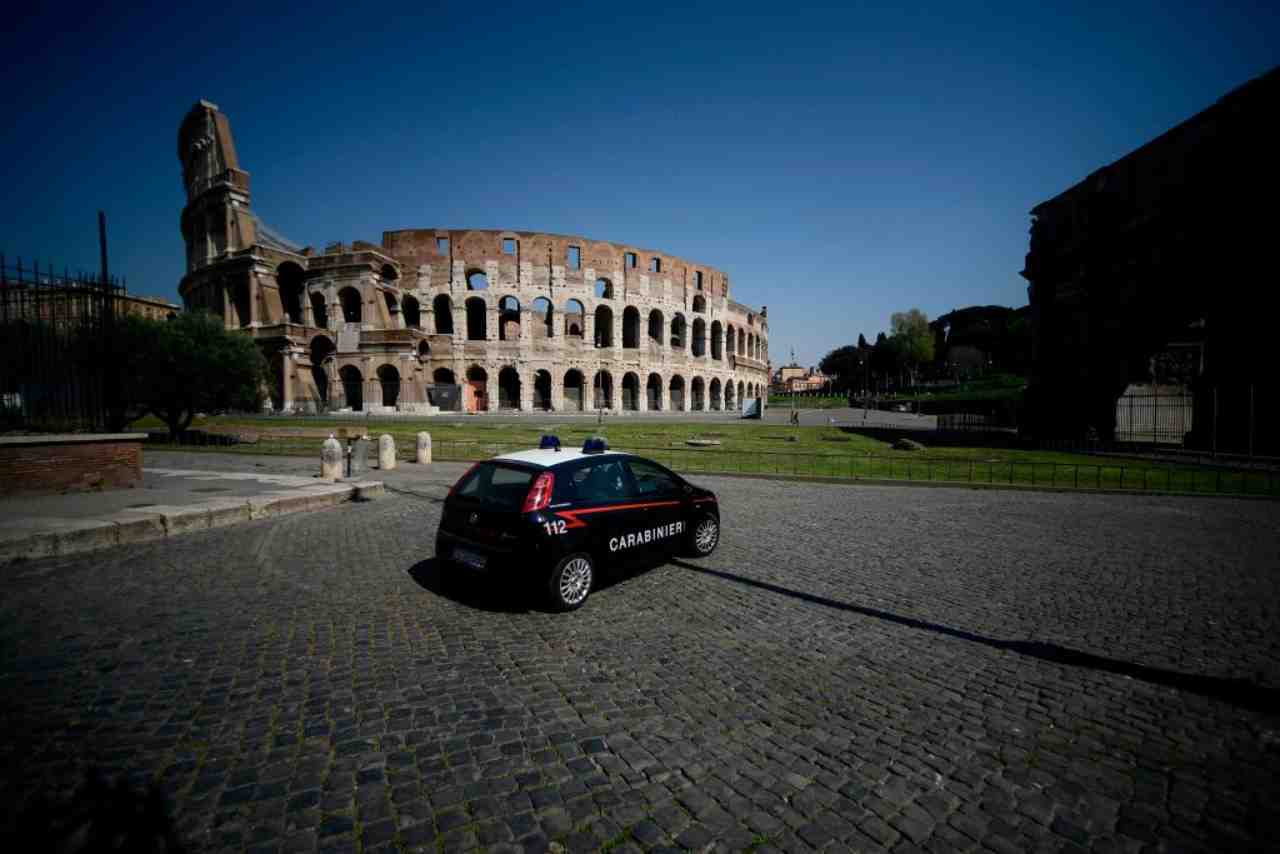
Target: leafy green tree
[(843, 363), (178, 367), (913, 339)]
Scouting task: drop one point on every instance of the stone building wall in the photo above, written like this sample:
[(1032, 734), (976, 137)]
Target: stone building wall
[(522, 320)]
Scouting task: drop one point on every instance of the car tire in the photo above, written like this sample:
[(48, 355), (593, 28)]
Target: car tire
[(704, 536), (570, 582)]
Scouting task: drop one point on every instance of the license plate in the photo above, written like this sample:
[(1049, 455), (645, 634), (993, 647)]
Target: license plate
[(469, 558)]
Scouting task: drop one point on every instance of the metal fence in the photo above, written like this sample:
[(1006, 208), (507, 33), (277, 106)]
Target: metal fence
[(1121, 473), (55, 330), (1151, 415)]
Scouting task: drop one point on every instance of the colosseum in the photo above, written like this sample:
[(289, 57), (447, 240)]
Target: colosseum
[(472, 320)]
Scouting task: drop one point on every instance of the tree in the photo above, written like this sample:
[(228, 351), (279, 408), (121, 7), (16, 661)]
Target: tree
[(912, 338), (843, 363), (178, 367)]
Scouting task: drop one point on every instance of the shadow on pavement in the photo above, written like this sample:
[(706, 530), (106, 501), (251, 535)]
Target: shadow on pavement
[(1237, 692), (478, 591), (504, 596), (100, 816)]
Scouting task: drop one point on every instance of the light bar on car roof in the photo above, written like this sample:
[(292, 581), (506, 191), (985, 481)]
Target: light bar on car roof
[(549, 441), (595, 445)]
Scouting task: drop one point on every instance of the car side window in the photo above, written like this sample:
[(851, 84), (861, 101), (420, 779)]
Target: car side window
[(652, 479), (593, 481)]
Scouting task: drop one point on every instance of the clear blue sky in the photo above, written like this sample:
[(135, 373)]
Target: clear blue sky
[(839, 162)]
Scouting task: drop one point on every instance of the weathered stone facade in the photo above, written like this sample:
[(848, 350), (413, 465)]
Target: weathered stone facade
[(521, 320), (1169, 246)]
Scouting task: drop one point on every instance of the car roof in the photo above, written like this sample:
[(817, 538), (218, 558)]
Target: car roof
[(548, 457)]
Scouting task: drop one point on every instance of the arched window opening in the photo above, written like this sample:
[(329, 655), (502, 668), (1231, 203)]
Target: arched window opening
[(542, 390), (477, 320), (697, 391), (604, 326), (715, 395), (349, 298), (543, 318), (477, 281), (442, 308), (631, 392), (653, 389), (352, 387), (424, 349), (717, 348), (678, 332), (240, 302), (630, 328), (319, 311), (604, 289), (477, 389), (677, 393), (509, 319), (389, 274), (389, 379), (412, 314), (289, 281), (699, 347), (275, 370), (574, 312), (655, 327), (699, 304), (508, 389), (729, 344), (393, 309), (602, 387), (742, 392), (573, 385), (444, 376), (321, 349), (729, 396)]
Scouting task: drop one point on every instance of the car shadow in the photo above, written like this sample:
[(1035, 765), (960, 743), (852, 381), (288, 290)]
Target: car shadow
[(478, 592), (1237, 692), (506, 597)]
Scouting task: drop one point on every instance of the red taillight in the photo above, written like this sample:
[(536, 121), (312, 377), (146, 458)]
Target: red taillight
[(454, 488), (540, 493)]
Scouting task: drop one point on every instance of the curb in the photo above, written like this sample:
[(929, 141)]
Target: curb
[(31, 537)]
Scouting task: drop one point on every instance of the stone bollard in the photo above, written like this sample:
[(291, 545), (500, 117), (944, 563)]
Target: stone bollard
[(386, 452), (424, 448), (330, 459)]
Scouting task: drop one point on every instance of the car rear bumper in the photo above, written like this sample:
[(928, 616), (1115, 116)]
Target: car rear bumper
[(521, 560)]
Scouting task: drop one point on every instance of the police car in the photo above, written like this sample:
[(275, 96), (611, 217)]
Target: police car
[(562, 516)]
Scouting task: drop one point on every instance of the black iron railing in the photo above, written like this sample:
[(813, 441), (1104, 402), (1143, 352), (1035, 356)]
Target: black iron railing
[(55, 330)]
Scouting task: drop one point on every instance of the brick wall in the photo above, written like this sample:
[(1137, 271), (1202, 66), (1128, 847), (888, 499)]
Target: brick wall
[(31, 465)]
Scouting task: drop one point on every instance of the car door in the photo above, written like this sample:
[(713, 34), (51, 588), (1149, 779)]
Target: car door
[(661, 492), (595, 494)]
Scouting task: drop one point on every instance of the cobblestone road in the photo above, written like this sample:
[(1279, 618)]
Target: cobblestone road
[(855, 668)]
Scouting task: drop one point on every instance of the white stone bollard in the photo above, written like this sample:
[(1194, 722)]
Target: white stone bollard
[(331, 459), (424, 448), (386, 452)]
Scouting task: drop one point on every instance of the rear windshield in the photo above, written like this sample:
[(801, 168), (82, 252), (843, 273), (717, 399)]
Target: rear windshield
[(502, 487)]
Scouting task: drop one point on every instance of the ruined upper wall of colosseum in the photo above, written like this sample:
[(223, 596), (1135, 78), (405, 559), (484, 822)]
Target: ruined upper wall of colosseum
[(528, 258)]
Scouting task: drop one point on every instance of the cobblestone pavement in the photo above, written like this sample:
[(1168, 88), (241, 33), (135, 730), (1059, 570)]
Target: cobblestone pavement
[(856, 668)]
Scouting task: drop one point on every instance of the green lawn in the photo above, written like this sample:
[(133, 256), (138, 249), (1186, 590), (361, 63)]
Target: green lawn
[(755, 448)]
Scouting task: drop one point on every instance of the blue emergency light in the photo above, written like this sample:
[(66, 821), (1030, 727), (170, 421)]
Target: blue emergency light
[(595, 445), (549, 441)]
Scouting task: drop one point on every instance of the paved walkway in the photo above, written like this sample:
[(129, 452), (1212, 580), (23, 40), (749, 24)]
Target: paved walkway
[(855, 668), (170, 500)]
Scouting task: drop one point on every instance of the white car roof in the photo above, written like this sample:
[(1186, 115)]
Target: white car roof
[(547, 457)]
